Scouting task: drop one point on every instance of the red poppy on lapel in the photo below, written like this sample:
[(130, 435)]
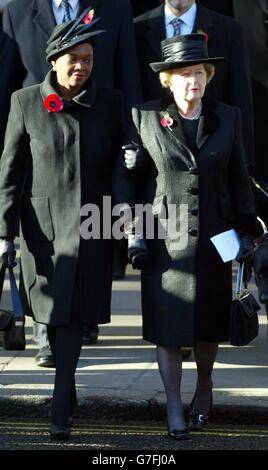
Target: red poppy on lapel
[(167, 120), (53, 103), (200, 31), (88, 17)]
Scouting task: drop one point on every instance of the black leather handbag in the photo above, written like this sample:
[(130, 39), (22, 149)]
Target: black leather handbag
[(244, 325), (12, 332)]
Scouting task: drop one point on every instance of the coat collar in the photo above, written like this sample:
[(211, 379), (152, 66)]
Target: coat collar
[(86, 97)]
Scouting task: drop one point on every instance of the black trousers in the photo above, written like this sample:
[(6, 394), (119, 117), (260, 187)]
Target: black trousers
[(65, 342)]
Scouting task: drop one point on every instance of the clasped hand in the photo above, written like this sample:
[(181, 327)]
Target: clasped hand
[(137, 251)]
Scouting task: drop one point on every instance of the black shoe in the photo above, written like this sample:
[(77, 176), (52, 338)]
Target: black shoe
[(44, 359), (179, 434), (197, 421), (90, 334), (58, 432)]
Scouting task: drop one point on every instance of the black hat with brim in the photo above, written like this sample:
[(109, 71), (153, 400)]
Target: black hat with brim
[(183, 51), (69, 34)]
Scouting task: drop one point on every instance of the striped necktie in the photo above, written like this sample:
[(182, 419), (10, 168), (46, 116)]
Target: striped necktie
[(176, 23), (66, 7)]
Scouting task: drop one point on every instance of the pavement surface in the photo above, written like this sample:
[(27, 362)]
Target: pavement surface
[(118, 377)]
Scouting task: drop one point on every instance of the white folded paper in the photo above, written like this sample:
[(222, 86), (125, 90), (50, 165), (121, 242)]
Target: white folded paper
[(227, 244)]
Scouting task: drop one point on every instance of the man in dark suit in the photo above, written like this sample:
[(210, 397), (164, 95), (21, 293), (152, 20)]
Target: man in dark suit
[(232, 82), (27, 25), (253, 17)]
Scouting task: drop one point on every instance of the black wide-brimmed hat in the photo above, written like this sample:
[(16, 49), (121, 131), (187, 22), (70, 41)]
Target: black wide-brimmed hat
[(184, 50), (70, 33)]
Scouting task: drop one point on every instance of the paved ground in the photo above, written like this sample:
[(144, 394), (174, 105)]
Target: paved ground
[(118, 377)]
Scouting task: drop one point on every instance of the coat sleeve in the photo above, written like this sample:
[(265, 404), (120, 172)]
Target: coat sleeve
[(13, 167), (239, 185), (12, 71), (241, 92), (126, 181), (127, 77)]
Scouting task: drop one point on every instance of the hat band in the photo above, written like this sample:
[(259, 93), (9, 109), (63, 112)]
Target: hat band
[(180, 52)]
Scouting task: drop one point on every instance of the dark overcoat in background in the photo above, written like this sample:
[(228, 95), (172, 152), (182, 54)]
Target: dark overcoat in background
[(53, 163), (231, 83), (186, 293), (27, 25), (253, 17)]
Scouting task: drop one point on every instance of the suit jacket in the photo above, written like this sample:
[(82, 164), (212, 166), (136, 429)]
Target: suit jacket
[(253, 17), (47, 175), (27, 25), (231, 83), (180, 281)]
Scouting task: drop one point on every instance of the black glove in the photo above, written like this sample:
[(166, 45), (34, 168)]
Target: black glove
[(246, 249), (137, 251), (7, 253), (133, 156)]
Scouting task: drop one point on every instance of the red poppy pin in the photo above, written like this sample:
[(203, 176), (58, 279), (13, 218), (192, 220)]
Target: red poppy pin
[(88, 17), (53, 103), (200, 31), (167, 121)]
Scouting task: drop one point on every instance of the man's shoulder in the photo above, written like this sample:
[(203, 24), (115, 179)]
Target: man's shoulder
[(219, 20), (18, 5), (149, 15)]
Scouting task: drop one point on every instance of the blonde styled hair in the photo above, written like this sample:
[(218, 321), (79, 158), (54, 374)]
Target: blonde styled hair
[(165, 77)]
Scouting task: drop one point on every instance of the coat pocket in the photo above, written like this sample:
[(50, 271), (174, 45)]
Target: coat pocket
[(225, 209), (36, 221)]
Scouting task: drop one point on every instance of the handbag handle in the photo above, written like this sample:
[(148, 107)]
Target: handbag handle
[(16, 300), (2, 278), (239, 280)]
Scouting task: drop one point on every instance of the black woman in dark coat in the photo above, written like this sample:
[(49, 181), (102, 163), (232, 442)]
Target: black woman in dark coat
[(61, 141), (188, 149)]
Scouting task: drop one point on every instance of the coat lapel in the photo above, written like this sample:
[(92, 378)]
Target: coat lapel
[(208, 124), (156, 30), (43, 17), (264, 5), (203, 21)]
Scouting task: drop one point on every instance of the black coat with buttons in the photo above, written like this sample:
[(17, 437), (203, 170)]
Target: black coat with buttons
[(186, 287), (54, 163)]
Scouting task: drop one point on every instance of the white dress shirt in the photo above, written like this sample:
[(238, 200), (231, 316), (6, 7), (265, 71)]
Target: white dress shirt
[(188, 19), (59, 11)]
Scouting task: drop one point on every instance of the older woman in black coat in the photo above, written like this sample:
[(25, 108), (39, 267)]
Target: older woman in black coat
[(60, 147), (187, 152)]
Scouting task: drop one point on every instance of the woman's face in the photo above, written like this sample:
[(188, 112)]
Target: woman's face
[(74, 67), (188, 83)]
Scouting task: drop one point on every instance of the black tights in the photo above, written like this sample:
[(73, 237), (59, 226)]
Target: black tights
[(65, 342)]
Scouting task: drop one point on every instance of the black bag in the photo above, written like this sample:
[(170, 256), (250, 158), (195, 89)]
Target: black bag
[(12, 333), (244, 325)]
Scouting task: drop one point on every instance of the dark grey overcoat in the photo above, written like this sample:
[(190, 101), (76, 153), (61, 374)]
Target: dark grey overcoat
[(52, 164), (186, 290)]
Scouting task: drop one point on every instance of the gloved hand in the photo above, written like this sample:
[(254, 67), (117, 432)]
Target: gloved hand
[(7, 253), (133, 156), (246, 249), (137, 251)]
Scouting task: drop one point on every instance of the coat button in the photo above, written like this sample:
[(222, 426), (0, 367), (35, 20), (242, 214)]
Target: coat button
[(193, 190), (193, 232), (193, 170), (194, 211)]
